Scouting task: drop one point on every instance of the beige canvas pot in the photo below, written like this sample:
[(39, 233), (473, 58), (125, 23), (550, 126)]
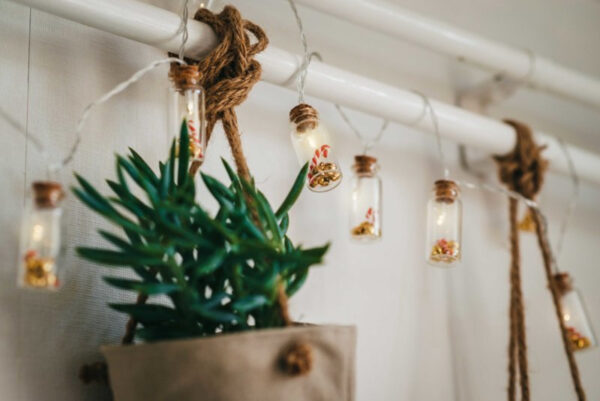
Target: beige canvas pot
[(236, 367)]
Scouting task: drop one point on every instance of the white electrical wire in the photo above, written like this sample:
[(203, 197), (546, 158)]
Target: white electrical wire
[(307, 56), (367, 144), (116, 90), (436, 130), (183, 29)]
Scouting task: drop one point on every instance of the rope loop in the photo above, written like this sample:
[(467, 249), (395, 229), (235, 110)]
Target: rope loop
[(230, 71), (522, 170)]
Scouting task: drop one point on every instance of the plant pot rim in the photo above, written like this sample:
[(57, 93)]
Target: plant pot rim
[(297, 329)]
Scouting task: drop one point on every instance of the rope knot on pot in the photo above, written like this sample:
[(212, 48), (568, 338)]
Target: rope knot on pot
[(297, 359)]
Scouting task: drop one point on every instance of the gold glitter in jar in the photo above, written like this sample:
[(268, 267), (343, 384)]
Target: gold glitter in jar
[(364, 229), (194, 148), (445, 251), (39, 272), (323, 175), (578, 341)]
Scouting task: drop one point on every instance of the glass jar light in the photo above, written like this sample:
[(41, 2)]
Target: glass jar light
[(444, 225), (579, 329), (312, 144), (365, 215), (187, 106), (41, 242)]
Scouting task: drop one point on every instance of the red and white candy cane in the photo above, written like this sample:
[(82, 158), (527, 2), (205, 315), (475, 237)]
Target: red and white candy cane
[(323, 151), (195, 138)]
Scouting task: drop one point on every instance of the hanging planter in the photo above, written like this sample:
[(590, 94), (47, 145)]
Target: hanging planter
[(259, 365), (221, 329), (225, 333)]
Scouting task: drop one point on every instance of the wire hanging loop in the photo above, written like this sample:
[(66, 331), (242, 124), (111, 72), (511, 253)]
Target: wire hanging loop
[(428, 108), (367, 144), (183, 29), (307, 56)]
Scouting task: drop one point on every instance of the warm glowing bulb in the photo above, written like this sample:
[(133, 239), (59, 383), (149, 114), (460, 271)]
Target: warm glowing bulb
[(440, 219), (37, 232), (567, 317)]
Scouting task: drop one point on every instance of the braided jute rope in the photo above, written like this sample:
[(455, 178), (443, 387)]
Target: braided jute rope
[(522, 171), (229, 72)]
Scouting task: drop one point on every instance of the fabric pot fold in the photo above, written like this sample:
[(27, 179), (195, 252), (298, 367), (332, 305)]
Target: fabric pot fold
[(236, 367)]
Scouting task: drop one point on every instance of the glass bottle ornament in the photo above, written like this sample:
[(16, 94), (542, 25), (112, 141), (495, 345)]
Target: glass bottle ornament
[(444, 225), (187, 106), (312, 144), (41, 242), (575, 317), (365, 215)]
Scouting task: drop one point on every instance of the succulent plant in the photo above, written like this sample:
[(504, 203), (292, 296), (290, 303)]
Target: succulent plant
[(217, 274)]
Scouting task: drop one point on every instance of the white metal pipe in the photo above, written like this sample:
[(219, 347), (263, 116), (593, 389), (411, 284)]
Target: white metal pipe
[(133, 20), (443, 38), (148, 24)]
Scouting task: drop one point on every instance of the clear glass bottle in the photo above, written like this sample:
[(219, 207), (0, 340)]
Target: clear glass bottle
[(579, 329), (187, 105), (444, 225), (41, 242), (312, 144), (365, 215)]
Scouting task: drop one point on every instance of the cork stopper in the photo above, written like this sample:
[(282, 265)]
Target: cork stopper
[(185, 77), (446, 191), (47, 194), (305, 117), (364, 164), (563, 283)]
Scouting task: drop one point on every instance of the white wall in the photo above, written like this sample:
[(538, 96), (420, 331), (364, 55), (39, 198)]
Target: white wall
[(424, 334)]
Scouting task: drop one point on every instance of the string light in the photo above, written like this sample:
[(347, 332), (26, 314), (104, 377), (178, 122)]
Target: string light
[(310, 138), (41, 243), (366, 200)]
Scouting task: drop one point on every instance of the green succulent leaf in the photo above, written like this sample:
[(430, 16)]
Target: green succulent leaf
[(142, 286), (294, 193), (184, 155), (116, 258), (250, 303), (216, 315), (210, 264), (147, 313), (143, 167)]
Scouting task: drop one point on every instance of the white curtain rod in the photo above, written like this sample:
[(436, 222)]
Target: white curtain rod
[(154, 26), (440, 37)]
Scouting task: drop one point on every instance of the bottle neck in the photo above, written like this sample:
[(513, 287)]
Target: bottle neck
[(304, 117), (445, 191)]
